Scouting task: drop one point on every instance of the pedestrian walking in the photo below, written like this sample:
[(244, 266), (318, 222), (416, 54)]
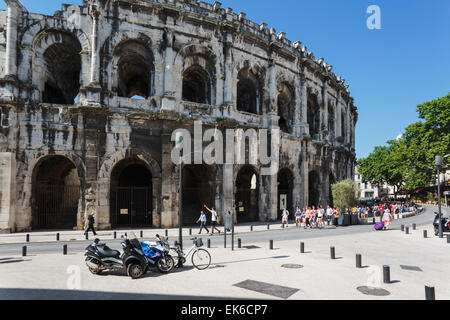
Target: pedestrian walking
[(202, 221), (91, 222), (387, 218), (285, 217), (320, 214), (329, 213), (214, 219), (298, 217)]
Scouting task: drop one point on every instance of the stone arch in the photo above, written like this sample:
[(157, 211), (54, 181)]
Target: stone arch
[(248, 87), (198, 77), (30, 184), (104, 181), (286, 105), (247, 193), (138, 56), (286, 179), (313, 112), (32, 41)]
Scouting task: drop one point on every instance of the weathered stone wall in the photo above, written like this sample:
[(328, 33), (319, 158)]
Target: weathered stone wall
[(110, 51)]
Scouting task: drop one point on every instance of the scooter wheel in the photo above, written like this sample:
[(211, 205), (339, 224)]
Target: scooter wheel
[(135, 271)]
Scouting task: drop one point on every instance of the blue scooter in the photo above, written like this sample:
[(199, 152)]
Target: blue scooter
[(157, 254)]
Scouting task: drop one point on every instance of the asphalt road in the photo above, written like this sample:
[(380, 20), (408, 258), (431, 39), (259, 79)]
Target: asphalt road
[(251, 238)]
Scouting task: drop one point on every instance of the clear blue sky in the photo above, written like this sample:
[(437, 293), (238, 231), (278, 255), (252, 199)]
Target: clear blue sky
[(390, 71)]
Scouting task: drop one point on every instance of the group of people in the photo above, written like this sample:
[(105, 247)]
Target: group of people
[(311, 217), (214, 220)]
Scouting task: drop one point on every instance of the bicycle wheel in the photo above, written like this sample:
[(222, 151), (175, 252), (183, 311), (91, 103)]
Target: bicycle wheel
[(201, 259)]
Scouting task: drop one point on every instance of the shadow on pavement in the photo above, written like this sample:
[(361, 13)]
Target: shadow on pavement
[(50, 294)]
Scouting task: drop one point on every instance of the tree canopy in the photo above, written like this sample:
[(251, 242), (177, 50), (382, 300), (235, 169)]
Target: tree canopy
[(408, 162)]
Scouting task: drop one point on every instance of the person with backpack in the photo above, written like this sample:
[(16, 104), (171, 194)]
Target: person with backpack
[(91, 222), (214, 219)]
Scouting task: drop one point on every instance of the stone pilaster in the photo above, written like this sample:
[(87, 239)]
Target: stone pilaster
[(7, 191)]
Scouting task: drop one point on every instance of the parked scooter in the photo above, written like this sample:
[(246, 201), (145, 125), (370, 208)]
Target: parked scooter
[(157, 253), (100, 257), (445, 224)]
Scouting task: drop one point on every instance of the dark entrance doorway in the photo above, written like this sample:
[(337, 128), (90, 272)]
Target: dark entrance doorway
[(314, 189), (247, 195), (285, 185), (330, 190), (197, 190), (56, 193), (131, 194)]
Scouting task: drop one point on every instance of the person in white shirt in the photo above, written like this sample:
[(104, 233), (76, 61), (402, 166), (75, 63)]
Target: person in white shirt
[(214, 219), (284, 217)]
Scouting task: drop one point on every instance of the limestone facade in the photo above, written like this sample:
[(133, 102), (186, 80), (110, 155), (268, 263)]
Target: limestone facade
[(73, 130)]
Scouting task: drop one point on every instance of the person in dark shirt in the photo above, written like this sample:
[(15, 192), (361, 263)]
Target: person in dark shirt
[(91, 222)]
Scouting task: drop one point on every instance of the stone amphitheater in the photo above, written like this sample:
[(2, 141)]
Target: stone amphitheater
[(90, 98)]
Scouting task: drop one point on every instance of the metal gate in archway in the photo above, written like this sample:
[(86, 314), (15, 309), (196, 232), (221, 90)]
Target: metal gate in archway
[(131, 206), (56, 206)]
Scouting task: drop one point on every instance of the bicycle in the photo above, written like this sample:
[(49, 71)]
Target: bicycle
[(201, 258)]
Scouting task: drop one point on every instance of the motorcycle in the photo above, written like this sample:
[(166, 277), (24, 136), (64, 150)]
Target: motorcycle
[(99, 257), (445, 224), (157, 254)]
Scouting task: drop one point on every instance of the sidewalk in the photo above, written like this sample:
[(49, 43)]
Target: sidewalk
[(264, 273), (78, 235)]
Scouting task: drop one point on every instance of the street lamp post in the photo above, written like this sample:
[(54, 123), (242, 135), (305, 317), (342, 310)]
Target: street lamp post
[(438, 166), (178, 139)]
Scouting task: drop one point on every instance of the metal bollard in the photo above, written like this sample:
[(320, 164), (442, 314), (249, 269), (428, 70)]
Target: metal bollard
[(268, 226), (65, 249), (414, 226), (332, 253), (402, 228), (429, 293), (190, 231), (386, 274), (302, 247), (448, 238), (407, 230), (283, 225), (425, 234), (239, 243), (358, 261), (251, 228), (28, 238), (271, 244), (142, 234), (86, 235), (225, 238), (209, 243), (115, 235), (57, 237), (373, 220), (24, 251), (167, 233)]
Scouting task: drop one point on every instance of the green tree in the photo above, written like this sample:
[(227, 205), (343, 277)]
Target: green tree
[(345, 194)]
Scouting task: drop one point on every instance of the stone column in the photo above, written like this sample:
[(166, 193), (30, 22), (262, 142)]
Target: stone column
[(297, 120), (7, 191), (11, 38), (228, 185), (169, 186), (304, 172), (304, 103), (95, 70), (228, 76), (325, 106), (168, 99), (273, 92)]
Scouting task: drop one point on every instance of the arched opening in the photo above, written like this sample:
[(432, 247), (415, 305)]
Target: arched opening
[(314, 189), (248, 92), (56, 194), (62, 62), (285, 188), (331, 120), (198, 190), (135, 70), (131, 194), (196, 85), (285, 102), (247, 194), (313, 115)]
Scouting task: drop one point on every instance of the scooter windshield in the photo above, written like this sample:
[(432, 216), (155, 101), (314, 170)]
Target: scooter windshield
[(136, 243)]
